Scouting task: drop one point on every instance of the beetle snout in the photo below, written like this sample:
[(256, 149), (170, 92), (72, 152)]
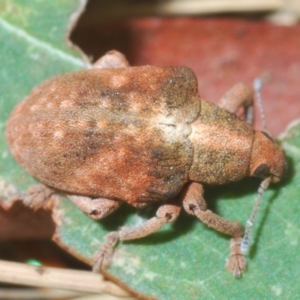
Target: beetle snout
[(267, 159), (279, 167), (281, 173)]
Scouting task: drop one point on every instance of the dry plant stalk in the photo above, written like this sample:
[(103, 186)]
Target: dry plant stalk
[(216, 6), (80, 281)]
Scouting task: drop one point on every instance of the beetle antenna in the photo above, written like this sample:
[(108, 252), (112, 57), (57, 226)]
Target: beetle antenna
[(246, 239), (258, 85)]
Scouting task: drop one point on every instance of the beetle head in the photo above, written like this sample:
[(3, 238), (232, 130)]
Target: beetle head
[(267, 158)]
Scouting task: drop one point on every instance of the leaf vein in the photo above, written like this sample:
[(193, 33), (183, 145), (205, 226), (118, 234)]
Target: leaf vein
[(40, 44)]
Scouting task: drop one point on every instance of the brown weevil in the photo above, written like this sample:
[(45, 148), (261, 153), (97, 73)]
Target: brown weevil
[(139, 135)]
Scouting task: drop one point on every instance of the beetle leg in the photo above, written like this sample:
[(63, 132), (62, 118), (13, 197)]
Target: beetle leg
[(194, 204), (38, 196), (111, 59), (95, 208), (166, 213), (240, 95)]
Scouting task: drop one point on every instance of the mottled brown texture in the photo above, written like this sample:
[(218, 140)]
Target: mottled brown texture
[(111, 133), (222, 146)]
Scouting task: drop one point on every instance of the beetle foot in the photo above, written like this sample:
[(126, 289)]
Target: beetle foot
[(237, 262), (103, 258), (38, 196)]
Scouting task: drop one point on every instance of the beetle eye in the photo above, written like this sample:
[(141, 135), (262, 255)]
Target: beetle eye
[(267, 136), (262, 171)]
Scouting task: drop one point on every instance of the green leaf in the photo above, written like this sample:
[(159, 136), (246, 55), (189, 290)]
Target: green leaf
[(33, 48), (184, 260)]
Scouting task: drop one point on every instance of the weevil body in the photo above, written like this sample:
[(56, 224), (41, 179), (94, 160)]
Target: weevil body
[(139, 135)]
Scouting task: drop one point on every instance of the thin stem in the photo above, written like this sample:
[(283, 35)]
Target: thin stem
[(38, 293), (80, 281)]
